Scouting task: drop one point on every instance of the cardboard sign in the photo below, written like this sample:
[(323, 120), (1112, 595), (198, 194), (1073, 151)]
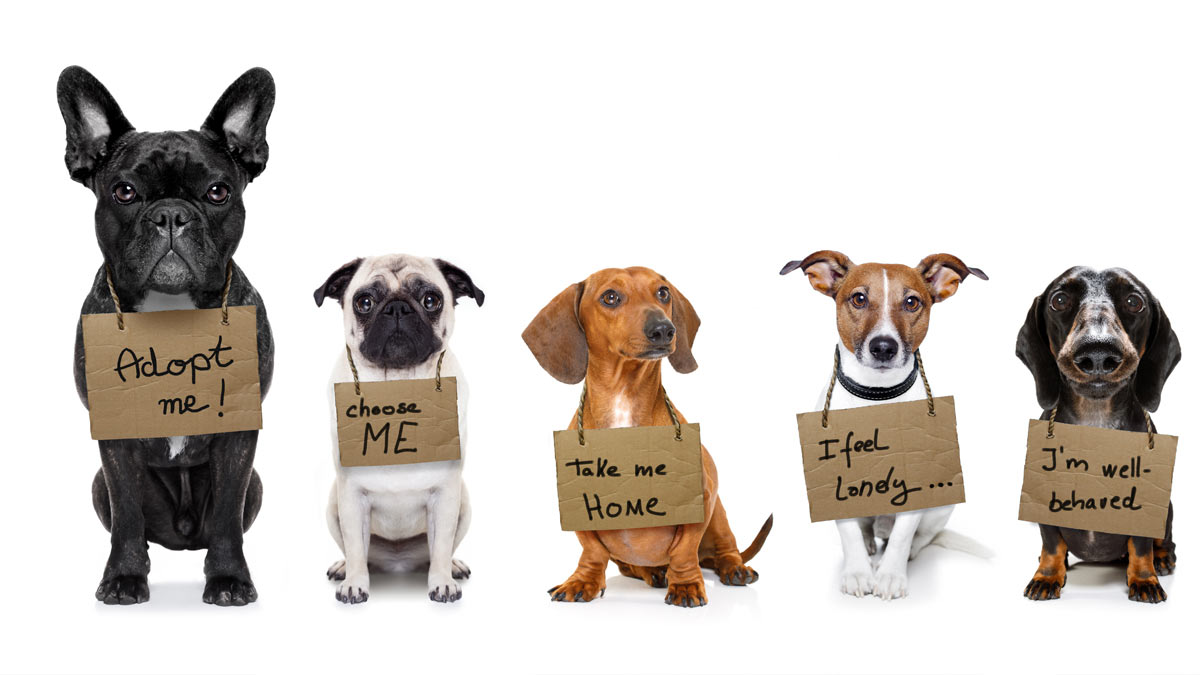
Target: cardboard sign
[(397, 422), (629, 478), (881, 459), (1088, 478), (176, 373)]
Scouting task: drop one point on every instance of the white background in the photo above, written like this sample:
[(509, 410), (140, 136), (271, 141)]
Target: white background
[(533, 143)]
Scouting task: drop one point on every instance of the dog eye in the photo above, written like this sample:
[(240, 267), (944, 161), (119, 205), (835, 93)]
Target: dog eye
[(431, 302), (363, 304), (912, 303), (1060, 301), (218, 193), (1135, 303), (124, 193), (611, 298), (858, 300), (664, 295)]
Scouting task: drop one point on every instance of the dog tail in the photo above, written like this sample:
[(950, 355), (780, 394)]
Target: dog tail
[(757, 544), (949, 539)]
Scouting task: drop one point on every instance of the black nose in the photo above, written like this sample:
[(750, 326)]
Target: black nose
[(1098, 358), (883, 348), (170, 220), (659, 332), (397, 308)]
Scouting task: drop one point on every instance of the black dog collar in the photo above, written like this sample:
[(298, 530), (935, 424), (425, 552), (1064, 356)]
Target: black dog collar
[(876, 393)]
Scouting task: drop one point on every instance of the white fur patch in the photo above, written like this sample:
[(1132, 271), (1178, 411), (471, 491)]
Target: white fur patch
[(95, 122)]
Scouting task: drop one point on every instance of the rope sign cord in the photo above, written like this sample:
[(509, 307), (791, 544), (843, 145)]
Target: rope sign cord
[(437, 375), (1149, 429), (837, 362), (121, 315), (666, 399)]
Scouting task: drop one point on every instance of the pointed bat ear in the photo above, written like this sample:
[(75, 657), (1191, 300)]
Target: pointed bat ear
[(460, 283), (943, 273), (335, 285), (687, 322), (556, 337), (94, 122), (826, 270), (239, 119)]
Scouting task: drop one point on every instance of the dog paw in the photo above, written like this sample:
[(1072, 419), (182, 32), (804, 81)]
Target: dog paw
[(1148, 590), (890, 585), (353, 590), (690, 594), (459, 570), (738, 575), (1164, 562), (124, 589), (336, 571), (858, 582), (229, 592), (443, 588), (1045, 588), (575, 590)]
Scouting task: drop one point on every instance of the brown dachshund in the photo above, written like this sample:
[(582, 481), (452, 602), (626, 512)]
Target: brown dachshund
[(614, 329)]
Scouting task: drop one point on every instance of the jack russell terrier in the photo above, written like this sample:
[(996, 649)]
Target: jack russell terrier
[(882, 317)]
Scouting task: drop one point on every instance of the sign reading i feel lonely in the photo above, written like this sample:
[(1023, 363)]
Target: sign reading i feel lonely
[(629, 478), (881, 459), (1103, 480), (397, 422), (176, 373)]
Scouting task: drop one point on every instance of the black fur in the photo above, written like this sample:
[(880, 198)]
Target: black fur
[(172, 238), (398, 331)]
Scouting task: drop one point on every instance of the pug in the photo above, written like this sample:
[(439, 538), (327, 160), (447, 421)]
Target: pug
[(398, 312), (169, 215)]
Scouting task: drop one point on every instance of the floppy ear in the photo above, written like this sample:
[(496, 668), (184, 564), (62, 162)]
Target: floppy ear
[(687, 322), (556, 338), (460, 283), (825, 269), (335, 285), (93, 118), (1033, 348), (239, 119), (943, 273), (1160, 358)]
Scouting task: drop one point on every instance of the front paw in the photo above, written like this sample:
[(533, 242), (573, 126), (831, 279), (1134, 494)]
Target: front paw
[(229, 591), (1148, 590), (858, 581), (354, 589), (443, 588), (1045, 587), (124, 589), (689, 594), (577, 590), (890, 585)]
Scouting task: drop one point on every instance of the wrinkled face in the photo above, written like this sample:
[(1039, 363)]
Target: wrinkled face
[(627, 312), (398, 310), (883, 314), (1098, 324), (169, 211)]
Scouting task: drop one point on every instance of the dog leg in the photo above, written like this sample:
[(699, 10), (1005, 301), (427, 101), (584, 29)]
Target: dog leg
[(685, 581), (726, 559), (227, 576), (656, 577), (1140, 574), (891, 579), (932, 523), (125, 579), (1164, 549), (587, 583), (1051, 575), (857, 577), (442, 515), (354, 522)]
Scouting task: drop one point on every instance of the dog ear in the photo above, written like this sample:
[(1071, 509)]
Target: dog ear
[(556, 338), (687, 322), (239, 119), (460, 283), (335, 285), (93, 118), (825, 269), (1160, 358), (1033, 348), (943, 273)]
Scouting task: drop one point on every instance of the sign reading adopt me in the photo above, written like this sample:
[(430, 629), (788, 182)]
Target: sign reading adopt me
[(1104, 480), (629, 478), (397, 422), (174, 373), (881, 459)]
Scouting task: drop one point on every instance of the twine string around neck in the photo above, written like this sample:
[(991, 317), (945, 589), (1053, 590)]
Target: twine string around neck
[(1146, 413), (437, 374), (837, 361), (666, 399), (112, 290)]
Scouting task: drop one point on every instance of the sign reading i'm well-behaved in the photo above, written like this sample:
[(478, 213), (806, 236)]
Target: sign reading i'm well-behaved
[(397, 422), (1105, 480), (175, 373), (881, 459), (628, 478)]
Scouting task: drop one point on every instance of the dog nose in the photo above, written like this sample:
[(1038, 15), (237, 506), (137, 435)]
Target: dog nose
[(883, 348), (170, 220), (1098, 358), (397, 308), (659, 332)]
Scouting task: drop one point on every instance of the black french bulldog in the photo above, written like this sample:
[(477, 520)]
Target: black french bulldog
[(169, 216)]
